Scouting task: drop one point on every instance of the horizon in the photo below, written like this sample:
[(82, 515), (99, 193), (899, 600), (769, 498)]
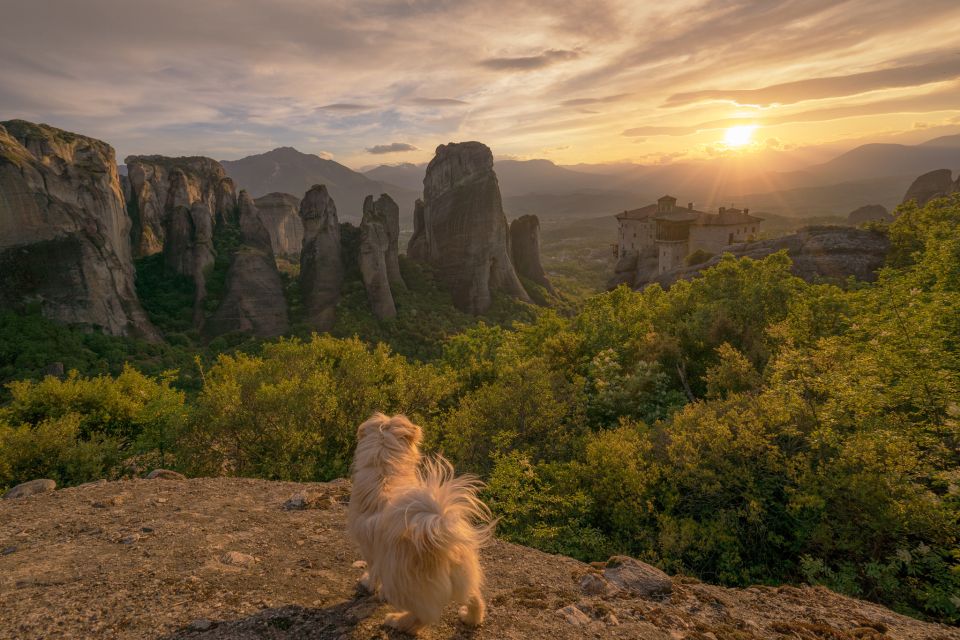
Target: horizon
[(385, 83)]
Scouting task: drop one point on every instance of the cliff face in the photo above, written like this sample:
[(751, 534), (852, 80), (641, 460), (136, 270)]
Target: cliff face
[(417, 244), (321, 263), (818, 253), (379, 262), (464, 228), (254, 302), (64, 233), (239, 559), (159, 184), (934, 184), (869, 213), (525, 250), (280, 215)]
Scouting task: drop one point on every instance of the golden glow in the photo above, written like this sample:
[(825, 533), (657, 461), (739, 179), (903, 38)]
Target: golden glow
[(739, 135)]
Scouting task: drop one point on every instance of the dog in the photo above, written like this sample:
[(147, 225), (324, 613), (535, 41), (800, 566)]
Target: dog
[(418, 526)]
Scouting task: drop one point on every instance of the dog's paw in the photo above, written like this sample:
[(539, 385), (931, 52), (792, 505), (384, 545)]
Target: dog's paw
[(405, 622), (470, 618)]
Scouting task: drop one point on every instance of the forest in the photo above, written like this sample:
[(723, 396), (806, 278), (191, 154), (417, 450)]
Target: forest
[(744, 427)]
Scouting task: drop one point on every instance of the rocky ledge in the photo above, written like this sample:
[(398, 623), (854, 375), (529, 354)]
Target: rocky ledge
[(236, 558)]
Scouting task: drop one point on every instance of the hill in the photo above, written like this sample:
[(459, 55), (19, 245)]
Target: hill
[(223, 558), (287, 170)]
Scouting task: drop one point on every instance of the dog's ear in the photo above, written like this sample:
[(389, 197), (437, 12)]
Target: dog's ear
[(376, 421), (402, 428)]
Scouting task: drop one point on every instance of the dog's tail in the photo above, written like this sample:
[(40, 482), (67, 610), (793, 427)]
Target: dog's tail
[(446, 511)]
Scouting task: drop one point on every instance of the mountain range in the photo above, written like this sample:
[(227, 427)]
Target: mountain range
[(869, 173)]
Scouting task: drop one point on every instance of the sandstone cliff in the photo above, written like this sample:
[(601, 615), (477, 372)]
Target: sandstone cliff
[(819, 253), (417, 245), (869, 213), (525, 250), (244, 559), (934, 184), (159, 184), (464, 229), (321, 263), (379, 262), (280, 215), (64, 233), (254, 302)]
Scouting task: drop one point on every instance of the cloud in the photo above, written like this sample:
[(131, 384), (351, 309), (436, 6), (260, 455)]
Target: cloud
[(529, 63), (576, 102), (345, 107), (393, 147), (829, 87), (438, 102)]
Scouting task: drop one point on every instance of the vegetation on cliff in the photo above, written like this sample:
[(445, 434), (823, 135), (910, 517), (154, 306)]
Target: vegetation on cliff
[(743, 427)]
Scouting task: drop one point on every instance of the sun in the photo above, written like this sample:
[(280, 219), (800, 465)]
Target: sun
[(739, 135)]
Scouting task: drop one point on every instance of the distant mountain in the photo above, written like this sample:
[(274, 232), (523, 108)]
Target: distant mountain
[(870, 161), (943, 141), (287, 170), (406, 175)]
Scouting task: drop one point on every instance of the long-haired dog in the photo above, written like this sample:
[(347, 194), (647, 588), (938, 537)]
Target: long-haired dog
[(417, 525)]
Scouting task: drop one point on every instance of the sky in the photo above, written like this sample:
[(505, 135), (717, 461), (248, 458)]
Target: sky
[(578, 81)]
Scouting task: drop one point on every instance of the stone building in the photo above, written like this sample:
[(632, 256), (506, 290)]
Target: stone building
[(665, 234)]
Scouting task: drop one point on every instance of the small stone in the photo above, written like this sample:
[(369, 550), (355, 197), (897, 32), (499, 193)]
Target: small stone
[(7, 551), (130, 538), (201, 624), (637, 577), (146, 529), (360, 564), (592, 584), (30, 488), (165, 474), (614, 621), (574, 616), (237, 559), (297, 502)]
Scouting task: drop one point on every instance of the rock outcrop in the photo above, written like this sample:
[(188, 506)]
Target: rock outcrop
[(254, 302), (159, 184), (188, 248), (820, 253), (280, 215), (934, 184), (525, 251), (379, 262), (464, 229), (869, 213), (64, 233), (417, 245), (217, 558), (321, 262)]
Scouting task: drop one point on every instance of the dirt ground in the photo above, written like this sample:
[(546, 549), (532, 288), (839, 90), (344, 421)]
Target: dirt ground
[(223, 558)]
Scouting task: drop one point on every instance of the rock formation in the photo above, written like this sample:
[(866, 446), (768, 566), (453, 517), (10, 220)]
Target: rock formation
[(934, 184), (188, 248), (321, 263), (158, 184), (869, 213), (525, 251), (417, 245), (280, 215), (254, 302), (210, 558), (464, 229), (818, 253), (64, 233), (379, 262)]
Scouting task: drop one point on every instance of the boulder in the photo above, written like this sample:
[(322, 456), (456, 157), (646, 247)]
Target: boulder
[(30, 488), (636, 577), (819, 253), (165, 474), (321, 263), (525, 251), (280, 215), (64, 232), (933, 184), (869, 213), (379, 262), (464, 229), (254, 302)]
